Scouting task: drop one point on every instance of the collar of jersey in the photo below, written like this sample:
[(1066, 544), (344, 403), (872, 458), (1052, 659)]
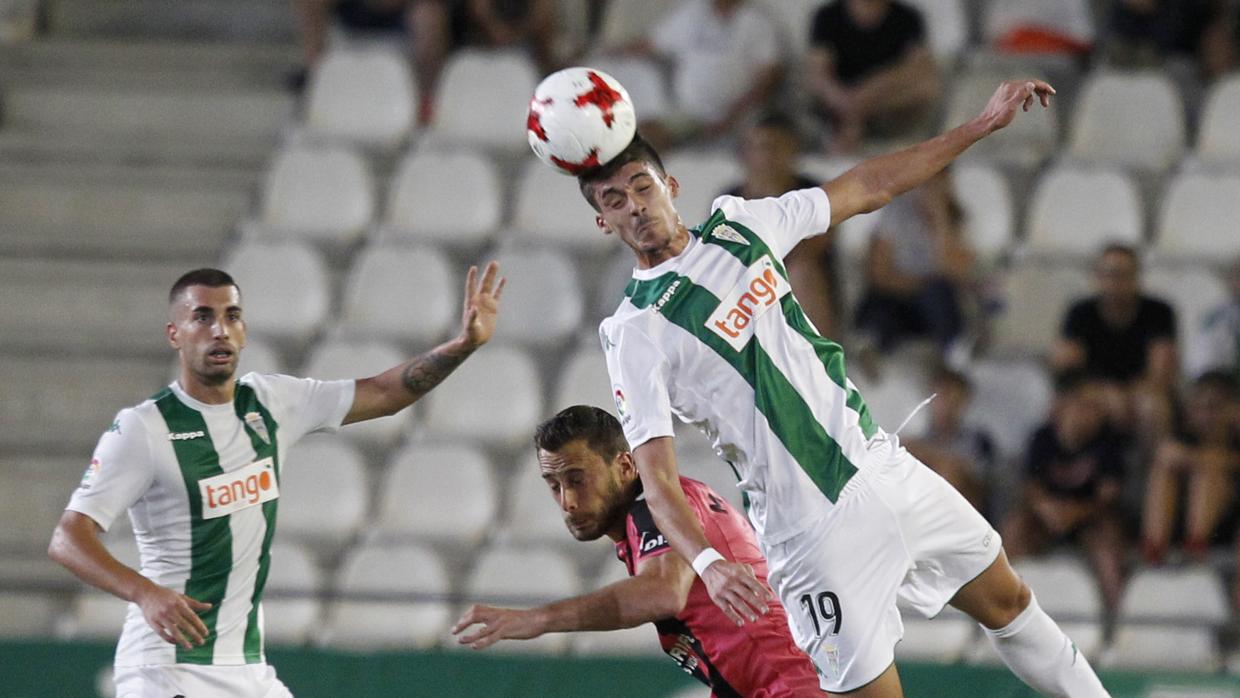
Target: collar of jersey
[(666, 265), (183, 396)]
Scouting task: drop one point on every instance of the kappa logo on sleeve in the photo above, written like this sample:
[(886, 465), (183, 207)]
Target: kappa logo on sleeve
[(758, 291)]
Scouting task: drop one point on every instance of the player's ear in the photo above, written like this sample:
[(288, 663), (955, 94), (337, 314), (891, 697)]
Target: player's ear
[(673, 186), (624, 462), (602, 224), (171, 330)]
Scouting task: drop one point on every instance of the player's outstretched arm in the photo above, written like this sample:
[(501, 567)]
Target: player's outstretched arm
[(732, 585), (76, 545), (401, 386), (873, 183)]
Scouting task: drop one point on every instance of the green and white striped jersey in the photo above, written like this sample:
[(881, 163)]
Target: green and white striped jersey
[(202, 484), (715, 336)]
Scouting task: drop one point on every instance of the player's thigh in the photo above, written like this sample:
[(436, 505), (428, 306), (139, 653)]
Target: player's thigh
[(240, 681), (887, 685)]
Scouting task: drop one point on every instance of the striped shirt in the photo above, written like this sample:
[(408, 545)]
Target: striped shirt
[(202, 483), (715, 337)]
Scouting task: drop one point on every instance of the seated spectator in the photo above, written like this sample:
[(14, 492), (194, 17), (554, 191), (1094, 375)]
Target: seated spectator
[(769, 157), (726, 65), (1197, 466), (1126, 339), (1220, 43), (1146, 33), (918, 273), (1218, 344), (964, 455), (1043, 27), (1073, 479), (870, 69)]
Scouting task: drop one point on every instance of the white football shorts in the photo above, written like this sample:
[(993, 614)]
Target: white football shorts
[(199, 681)]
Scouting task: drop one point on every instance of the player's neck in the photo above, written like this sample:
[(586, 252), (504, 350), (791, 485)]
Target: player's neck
[(677, 244), (208, 393)]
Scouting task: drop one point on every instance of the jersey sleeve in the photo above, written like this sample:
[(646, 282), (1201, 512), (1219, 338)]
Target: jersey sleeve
[(783, 221), (121, 470), (305, 405), (639, 377)]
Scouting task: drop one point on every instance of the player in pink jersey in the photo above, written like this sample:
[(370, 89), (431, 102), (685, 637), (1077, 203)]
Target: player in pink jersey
[(589, 470)]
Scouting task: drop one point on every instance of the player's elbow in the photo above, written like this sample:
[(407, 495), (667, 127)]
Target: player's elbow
[(58, 547)]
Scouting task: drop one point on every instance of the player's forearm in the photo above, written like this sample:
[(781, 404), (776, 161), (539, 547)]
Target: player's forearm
[(401, 386), (625, 604), (87, 558), (656, 464)]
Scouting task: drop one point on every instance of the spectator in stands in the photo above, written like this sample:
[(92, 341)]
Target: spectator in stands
[(432, 28), (1040, 27), (963, 454), (1146, 33), (918, 272), (1217, 346), (1073, 476), (1197, 465), (1220, 43), (769, 156), (1127, 340), (870, 69), (726, 63)]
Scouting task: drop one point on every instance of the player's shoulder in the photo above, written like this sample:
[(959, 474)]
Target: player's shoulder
[(136, 422)]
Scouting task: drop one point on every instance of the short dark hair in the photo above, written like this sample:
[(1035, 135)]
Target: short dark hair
[(946, 374), (638, 150), (211, 278), (601, 431)]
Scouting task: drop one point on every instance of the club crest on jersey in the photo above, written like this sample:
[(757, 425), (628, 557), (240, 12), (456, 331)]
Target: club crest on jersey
[(758, 291), (727, 232), (622, 405), (91, 471), (255, 422), (243, 488)]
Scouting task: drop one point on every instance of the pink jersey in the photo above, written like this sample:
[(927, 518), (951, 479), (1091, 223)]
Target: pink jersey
[(757, 660)]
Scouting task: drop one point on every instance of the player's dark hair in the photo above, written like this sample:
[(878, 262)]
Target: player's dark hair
[(601, 431), (638, 150), (211, 278), (946, 374)]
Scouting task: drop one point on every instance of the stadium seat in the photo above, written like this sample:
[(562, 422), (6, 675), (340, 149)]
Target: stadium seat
[(1159, 647), (439, 493), (324, 492), (1198, 218), (257, 357), (1186, 595), (286, 289), (1194, 292), (1024, 143), (1067, 17), (1218, 140), (795, 19), (1010, 400), (947, 27), (495, 399), (342, 359), (550, 209), (1129, 119), (641, 78), (483, 99), (584, 379), (33, 494), (626, 21), (524, 576), (93, 615), (852, 238), (642, 641), (374, 623), (291, 613), (984, 195), (697, 461), (895, 394), (318, 193), (610, 284), (1075, 212), (425, 202), (27, 614), (410, 295), (365, 96), (702, 177), (1065, 587), (543, 298), (942, 640), (1036, 297)]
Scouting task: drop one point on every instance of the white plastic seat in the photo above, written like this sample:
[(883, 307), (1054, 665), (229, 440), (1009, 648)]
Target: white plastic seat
[(1152, 647), (1010, 400), (371, 623), (551, 209), (1133, 120), (610, 284), (284, 288), (1025, 142), (1198, 218), (626, 21), (453, 197), (402, 294), (543, 301), (526, 577), (290, 612), (483, 99), (702, 177), (642, 641), (438, 492), (319, 193), (894, 395), (324, 491), (947, 26), (362, 95), (941, 640), (643, 81), (1068, 17), (1036, 297), (1218, 139), (1075, 212), (33, 494), (584, 380), (1188, 595), (984, 195), (258, 356), (94, 615), (495, 399), (345, 359), (27, 614), (1065, 587), (1194, 292)]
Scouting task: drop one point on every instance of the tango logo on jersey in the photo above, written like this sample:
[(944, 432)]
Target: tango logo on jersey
[(758, 291), (245, 487)]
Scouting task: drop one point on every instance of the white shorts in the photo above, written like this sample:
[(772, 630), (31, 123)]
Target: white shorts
[(199, 681), (898, 531)]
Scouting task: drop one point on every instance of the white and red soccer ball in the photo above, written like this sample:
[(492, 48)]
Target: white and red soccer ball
[(579, 119)]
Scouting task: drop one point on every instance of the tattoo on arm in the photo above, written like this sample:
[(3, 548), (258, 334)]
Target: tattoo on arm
[(428, 370)]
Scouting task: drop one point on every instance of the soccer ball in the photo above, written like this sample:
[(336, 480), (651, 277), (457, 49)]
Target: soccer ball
[(579, 119)]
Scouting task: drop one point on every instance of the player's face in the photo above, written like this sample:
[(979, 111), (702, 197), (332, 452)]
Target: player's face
[(589, 490), (635, 204), (206, 329)]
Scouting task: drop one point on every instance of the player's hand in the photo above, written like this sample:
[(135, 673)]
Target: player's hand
[(173, 615), (497, 624), (1013, 95), (481, 309), (736, 591)]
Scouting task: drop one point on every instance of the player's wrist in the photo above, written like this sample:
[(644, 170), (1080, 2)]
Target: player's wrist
[(705, 559)]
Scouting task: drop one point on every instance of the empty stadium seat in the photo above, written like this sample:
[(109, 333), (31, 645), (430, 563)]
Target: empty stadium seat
[(285, 288), (702, 177), (984, 195), (1186, 595), (543, 299), (947, 26), (343, 359), (526, 576), (495, 398), (611, 283), (642, 641), (1036, 297), (403, 294), (319, 193), (1194, 292), (584, 379), (941, 640), (291, 613), (1026, 142), (33, 495), (1198, 218), (1071, 18), (1010, 400), (1066, 588), (1129, 119), (1075, 212), (453, 197), (551, 209), (362, 95), (1218, 140), (374, 623), (258, 356), (895, 394), (483, 99), (1155, 647), (626, 21), (438, 492), (641, 78), (27, 614), (324, 491)]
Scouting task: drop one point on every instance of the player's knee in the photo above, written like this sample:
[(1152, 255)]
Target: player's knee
[(1010, 603)]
